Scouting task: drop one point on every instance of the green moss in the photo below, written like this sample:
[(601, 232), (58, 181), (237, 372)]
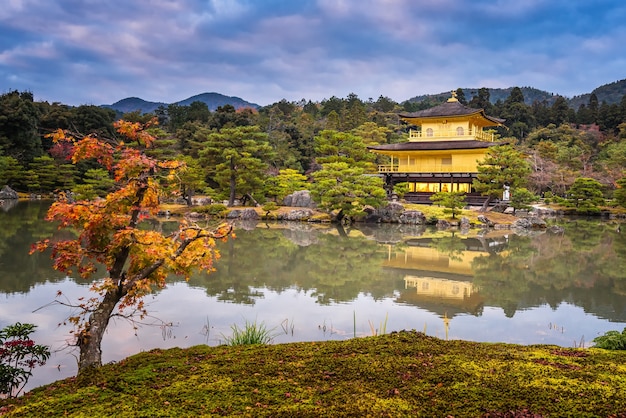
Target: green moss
[(399, 374)]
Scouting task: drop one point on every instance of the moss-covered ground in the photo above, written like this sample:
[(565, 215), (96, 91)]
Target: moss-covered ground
[(400, 374)]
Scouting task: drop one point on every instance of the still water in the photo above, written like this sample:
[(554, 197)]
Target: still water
[(315, 282)]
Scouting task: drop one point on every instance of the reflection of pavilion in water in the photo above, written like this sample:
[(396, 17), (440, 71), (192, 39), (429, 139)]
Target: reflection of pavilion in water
[(438, 280)]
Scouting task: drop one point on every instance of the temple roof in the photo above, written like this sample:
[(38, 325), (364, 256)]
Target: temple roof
[(451, 108), (434, 145)]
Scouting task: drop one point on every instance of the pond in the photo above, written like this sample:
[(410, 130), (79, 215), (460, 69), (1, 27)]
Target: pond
[(310, 282)]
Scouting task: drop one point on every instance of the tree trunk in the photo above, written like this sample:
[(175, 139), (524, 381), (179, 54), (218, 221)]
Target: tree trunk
[(233, 183), (486, 204), (90, 339)]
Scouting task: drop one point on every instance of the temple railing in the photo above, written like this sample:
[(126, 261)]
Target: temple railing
[(451, 134)]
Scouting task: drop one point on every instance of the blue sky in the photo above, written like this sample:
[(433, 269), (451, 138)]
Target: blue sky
[(98, 52)]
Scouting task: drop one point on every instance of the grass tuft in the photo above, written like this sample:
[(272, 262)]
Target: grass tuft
[(252, 333)]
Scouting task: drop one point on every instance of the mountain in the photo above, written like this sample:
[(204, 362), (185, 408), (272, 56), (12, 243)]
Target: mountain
[(212, 100), (215, 100), (531, 95), (132, 104), (610, 93)]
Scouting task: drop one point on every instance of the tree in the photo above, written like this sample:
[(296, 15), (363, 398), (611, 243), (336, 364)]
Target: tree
[(11, 171), (481, 100), (559, 111), (97, 182), (452, 201), (137, 260), (346, 189), (332, 146), (191, 179), (521, 198), (585, 195), (460, 96), (503, 166), (620, 193), (235, 158), (285, 183), (19, 118)]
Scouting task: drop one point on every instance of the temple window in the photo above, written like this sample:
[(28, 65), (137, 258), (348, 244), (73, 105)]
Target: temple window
[(459, 131), (429, 132)]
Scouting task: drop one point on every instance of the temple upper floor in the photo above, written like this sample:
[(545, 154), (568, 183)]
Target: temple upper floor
[(451, 121)]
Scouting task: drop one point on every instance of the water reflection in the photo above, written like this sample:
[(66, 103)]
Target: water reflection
[(329, 283)]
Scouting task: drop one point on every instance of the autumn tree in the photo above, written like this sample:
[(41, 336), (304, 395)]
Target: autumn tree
[(136, 260), (502, 166)]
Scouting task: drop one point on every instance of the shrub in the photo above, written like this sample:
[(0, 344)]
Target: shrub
[(612, 340), (19, 355), (215, 209)]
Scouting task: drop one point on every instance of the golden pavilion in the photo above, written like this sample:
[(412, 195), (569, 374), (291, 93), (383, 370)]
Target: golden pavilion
[(443, 154)]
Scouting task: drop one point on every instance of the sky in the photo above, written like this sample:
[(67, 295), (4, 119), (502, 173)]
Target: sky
[(98, 52)]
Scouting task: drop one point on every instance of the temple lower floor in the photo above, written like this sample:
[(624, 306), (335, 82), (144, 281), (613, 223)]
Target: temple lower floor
[(420, 186)]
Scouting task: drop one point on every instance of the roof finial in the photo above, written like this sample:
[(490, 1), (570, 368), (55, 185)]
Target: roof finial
[(453, 98)]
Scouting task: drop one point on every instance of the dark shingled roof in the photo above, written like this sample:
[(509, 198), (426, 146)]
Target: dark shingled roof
[(433, 145), (450, 109)]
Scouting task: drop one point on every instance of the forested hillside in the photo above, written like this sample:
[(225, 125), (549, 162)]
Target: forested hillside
[(212, 100), (611, 93), (263, 154)]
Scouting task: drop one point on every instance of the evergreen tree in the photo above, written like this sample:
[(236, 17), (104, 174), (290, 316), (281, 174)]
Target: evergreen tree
[(585, 195), (502, 166), (235, 159), (346, 189), (452, 201), (19, 119)]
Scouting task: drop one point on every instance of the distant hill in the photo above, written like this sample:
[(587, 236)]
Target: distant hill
[(132, 104), (531, 95), (212, 100), (610, 93)]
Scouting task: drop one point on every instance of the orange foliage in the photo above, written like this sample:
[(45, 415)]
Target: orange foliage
[(136, 260)]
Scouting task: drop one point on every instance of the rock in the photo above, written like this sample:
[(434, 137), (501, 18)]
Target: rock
[(299, 199), (233, 214), (390, 213), (8, 193), (522, 223), (537, 223), (249, 213), (500, 207), (412, 217), (203, 201), (298, 215), (484, 220), (533, 222), (443, 224), (465, 223)]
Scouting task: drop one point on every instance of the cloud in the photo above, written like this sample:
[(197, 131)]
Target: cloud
[(87, 51)]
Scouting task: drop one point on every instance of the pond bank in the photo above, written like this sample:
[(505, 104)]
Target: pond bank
[(399, 374)]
